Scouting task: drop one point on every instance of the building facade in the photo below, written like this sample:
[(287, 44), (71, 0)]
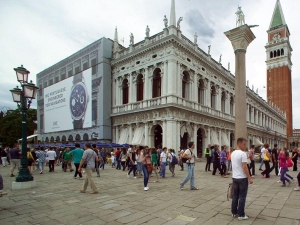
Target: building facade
[(279, 66), (95, 58), (167, 91)]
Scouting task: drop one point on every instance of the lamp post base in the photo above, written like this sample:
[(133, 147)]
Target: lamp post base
[(23, 185), (24, 174)]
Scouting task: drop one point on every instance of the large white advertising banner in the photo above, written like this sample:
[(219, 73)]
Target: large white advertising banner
[(68, 104)]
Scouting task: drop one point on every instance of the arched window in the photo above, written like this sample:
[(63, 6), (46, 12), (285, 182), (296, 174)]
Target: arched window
[(278, 52), (271, 55), (185, 85), (125, 88), (231, 105), (156, 83), (223, 101), (77, 137), (85, 137), (201, 92), (52, 139), (213, 96), (139, 88), (70, 138), (282, 51), (274, 54)]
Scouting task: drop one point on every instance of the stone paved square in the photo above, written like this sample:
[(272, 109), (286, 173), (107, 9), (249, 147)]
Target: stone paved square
[(56, 200)]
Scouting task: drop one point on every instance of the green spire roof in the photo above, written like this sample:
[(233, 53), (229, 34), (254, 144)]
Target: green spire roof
[(278, 17)]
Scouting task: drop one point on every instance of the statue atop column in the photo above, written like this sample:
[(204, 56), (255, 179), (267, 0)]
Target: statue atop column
[(229, 66), (247, 83), (147, 31), (240, 17), (178, 22), (166, 21), (131, 39), (220, 59), (195, 38), (209, 49)]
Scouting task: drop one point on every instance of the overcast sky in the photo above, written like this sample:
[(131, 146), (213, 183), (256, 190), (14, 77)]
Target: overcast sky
[(40, 33)]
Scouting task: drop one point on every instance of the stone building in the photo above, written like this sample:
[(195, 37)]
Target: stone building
[(95, 57), (167, 91)]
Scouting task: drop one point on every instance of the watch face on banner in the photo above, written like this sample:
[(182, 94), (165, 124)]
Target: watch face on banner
[(68, 101), (78, 101)]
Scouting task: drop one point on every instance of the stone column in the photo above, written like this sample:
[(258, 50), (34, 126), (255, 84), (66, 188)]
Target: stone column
[(248, 116), (172, 76), (117, 95), (165, 80), (194, 93), (130, 88), (171, 138), (208, 137), (114, 92), (146, 84), (195, 140), (147, 134), (240, 38), (130, 133), (164, 128), (117, 134)]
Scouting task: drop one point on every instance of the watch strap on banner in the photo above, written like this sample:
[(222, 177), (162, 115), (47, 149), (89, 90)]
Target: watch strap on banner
[(77, 124), (77, 78)]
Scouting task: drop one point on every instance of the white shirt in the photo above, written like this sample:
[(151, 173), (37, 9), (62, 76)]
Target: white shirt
[(163, 157), (51, 155), (263, 150), (237, 158), (189, 153)]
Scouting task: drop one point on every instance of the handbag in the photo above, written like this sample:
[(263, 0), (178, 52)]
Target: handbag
[(230, 191), (290, 163), (149, 167)]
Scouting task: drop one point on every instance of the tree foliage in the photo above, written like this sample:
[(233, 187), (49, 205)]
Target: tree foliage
[(11, 125)]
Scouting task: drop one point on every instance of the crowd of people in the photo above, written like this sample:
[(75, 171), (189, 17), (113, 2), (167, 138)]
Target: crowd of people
[(144, 162)]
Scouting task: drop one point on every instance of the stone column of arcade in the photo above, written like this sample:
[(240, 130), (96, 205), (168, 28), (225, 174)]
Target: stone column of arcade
[(240, 38)]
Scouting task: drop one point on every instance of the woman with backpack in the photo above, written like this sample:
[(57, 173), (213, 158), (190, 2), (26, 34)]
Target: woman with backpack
[(147, 169), (283, 157), (267, 157), (173, 161), (30, 160)]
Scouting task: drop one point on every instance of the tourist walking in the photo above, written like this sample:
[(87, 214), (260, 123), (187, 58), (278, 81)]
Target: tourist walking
[(223, 157), (51, 155), (41, 155), (140, 157), (15, 154), (103, 155), (295, 155), (208, 156), (123, 158), (67, 158), (98, 159), (163, 162), (77, 154), (240, 178), (267, 158), (30, 160), (298, 177), (147, 168), (189, 160), (283, 157), (173, 162), (216, 162), (154, 158), (262, 155), (88, 158), (252, 162), (229, 159), (4, 157), (274, 157), (180, 154), (132, 162), (118, 154)]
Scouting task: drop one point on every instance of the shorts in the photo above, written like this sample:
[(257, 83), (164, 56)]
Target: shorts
[(15, 163)]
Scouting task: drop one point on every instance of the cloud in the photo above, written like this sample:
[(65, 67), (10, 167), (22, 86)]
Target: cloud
[(199, 24)]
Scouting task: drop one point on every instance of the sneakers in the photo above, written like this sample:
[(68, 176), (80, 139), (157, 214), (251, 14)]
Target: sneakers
[(297, 188), (81, 178), (243, 217), (12, 175), (146, 188), (283, 185), (224, 176), (82, 191), (41, 172), (94, 192), (134, 177)]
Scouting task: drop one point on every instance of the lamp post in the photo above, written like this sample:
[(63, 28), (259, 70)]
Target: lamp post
[(23, 98)]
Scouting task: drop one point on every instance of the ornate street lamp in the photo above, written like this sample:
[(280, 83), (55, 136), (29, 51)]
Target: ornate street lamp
[(23, 98)]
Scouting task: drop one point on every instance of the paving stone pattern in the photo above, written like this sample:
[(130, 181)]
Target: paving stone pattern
[(56, 201)]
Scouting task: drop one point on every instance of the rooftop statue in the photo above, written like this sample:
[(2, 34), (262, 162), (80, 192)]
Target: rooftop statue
[(195, 38), (240, 17), (131, 39), (147, 31), (209, 49), (166, 21), (178, 22)]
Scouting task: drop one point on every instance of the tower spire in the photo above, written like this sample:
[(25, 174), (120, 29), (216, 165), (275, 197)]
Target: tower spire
[(278, 16), (173, 14), (116, 35)]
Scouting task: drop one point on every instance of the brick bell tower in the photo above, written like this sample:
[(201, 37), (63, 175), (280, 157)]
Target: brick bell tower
[(279, 66)]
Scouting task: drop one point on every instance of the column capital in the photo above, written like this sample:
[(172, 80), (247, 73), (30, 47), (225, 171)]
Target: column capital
[(240, 37)]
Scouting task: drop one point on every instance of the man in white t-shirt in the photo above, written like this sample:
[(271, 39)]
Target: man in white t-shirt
[(163, 162), (241, 178), (51, 155), (262, 155)]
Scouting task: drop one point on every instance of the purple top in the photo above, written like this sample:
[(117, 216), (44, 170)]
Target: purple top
[(223, 157)]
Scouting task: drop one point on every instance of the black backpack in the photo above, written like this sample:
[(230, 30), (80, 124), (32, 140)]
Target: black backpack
[(174, 159)]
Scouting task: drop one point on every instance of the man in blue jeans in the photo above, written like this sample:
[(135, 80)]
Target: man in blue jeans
[(189, 159), (241, 178)]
